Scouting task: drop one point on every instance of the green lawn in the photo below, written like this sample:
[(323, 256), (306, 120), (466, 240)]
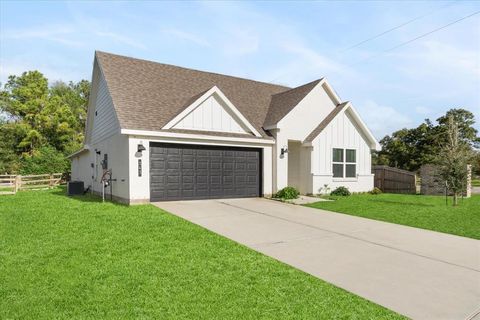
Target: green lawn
[(426, 212), (69, 258), (476, 183)]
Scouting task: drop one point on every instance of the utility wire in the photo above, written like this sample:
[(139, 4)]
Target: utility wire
[(395, 28), (433, 31), (403, 43), (419, 37)]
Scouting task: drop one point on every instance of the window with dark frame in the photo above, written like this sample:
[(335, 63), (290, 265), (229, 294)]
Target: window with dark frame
[(344, 163)]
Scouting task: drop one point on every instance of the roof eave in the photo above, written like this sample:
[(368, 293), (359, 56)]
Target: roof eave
[(78, 152)]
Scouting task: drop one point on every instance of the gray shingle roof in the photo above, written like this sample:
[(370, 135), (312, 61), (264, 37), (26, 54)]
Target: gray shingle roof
[(147, 94), (325, 122)]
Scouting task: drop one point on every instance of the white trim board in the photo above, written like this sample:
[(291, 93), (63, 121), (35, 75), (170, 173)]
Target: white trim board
[(194, 136)]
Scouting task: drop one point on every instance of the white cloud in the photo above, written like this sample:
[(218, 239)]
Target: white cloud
[(312, 57), (241, 42), (382, 120), (64, 34), (52, 72), (56, 33), (424, 111), (121, 39), (440, 58), (183, 35)]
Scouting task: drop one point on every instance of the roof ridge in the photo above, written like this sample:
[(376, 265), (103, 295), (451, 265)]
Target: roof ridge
[(300, 86), (190, 69)]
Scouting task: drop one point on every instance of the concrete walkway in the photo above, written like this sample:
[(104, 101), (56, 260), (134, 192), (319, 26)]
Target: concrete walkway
[(418, 273)]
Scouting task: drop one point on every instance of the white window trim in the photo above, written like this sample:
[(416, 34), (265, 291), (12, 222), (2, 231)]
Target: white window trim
[(344, 163)]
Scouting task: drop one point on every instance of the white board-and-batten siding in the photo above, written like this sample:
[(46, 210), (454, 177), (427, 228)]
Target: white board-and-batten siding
[(341, 133), (211, 115), (105, 122)]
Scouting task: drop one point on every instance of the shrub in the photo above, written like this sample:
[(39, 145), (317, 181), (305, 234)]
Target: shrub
[(340, 191), (376, 191), (288, 193), (44, 160)]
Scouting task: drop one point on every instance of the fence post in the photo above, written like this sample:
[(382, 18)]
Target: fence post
[(18, 183), (50, 183)]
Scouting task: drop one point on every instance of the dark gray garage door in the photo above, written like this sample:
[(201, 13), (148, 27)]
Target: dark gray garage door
[(184, 172)]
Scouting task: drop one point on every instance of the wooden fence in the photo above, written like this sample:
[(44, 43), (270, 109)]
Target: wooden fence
[(393, 180), (11, 184)]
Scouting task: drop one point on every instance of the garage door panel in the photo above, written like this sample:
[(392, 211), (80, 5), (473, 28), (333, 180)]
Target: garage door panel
[(202, 164), (216, 165), (157, 179), (173, 179), (203, 172), (215, 181), (158, 163), (228, 165)]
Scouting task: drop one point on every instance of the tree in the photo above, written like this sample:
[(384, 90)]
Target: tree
[(22, 100), (409, 149), (38, 117), (44, 160), (453, 158), (75, 96), (465, 121), (9, 160)]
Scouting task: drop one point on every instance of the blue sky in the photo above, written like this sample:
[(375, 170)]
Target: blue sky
[(288, 43)]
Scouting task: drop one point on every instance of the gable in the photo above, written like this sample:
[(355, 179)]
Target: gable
[(211, 115), (343, 127), (212, 111), (286, 103), (102, 120), (345, 133), (282, 103), (307, 115)]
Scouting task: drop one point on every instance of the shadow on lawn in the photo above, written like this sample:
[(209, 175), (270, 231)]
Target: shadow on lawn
[(62, 192)]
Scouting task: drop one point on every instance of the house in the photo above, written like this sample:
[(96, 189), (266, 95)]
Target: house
[(171, 133)]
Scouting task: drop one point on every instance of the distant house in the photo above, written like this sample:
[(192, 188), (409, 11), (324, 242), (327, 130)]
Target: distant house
[(171, 133)]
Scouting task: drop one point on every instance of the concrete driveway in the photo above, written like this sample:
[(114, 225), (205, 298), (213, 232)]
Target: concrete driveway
[(418, 273)]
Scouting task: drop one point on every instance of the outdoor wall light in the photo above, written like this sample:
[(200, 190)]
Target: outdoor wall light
[(283, 151), (140, 148)]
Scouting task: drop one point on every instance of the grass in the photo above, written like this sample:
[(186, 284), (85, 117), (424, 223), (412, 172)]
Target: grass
[(426, 212), (476, 183), (63, 257)]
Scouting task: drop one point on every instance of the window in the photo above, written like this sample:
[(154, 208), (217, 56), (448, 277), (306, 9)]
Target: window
[(344, 163), (350, 166), (338, 163)]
